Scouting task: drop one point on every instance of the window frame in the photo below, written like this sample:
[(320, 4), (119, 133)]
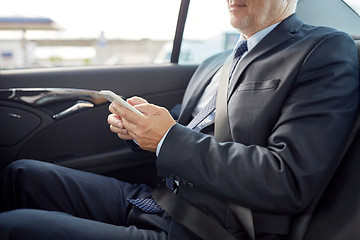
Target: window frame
[(183, 12)]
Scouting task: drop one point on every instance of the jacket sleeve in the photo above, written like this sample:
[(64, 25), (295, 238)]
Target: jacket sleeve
[(303, 148)]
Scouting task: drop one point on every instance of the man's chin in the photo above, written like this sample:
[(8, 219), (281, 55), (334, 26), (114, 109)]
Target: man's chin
[(239, 23)]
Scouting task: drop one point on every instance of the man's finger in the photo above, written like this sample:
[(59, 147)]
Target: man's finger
[(115, 129), (130, 126), (136, 100), (122, 133), (149, 109), (125, 136), (115, 121), (125, 113)]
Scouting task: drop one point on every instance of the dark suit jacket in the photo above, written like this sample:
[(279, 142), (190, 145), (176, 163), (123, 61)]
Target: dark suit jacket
[(291, 105)]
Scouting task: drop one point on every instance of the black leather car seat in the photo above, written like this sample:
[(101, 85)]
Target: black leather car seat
[(337, 215)]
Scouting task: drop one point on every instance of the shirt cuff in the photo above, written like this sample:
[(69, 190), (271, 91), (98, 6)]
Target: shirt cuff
[(161, 142)]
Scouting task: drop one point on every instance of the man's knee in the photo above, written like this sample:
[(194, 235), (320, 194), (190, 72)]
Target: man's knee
[(20, 182), (22, 165), (22, 171)]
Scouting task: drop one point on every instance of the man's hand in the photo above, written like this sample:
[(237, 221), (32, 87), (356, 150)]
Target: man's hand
[(147, 130), (116, 123)]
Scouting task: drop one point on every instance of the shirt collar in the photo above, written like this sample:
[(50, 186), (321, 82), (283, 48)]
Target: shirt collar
[(257, 37)]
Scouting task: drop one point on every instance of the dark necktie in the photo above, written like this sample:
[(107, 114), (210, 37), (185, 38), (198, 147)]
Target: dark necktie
[(149, 205), (240, 49), (210, 106)]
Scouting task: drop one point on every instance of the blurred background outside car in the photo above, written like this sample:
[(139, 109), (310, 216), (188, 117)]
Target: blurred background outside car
[(40, 33)]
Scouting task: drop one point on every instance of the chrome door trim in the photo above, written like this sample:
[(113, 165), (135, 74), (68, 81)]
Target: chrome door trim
[(80, 105), (37, 97)]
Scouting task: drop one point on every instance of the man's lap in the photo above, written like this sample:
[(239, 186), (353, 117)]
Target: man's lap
[(44, 225), (85, 196)]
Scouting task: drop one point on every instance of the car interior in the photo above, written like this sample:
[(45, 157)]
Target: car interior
[(57, 115)]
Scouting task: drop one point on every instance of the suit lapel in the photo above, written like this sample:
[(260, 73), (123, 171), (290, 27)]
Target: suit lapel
[(284, 31), (196, 90)]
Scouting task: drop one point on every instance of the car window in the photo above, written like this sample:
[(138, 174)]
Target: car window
[(340, 14), (207, 31), (41, 33), (354, 4)]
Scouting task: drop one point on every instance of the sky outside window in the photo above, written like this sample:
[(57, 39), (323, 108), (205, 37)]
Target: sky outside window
[(354, 4), (106, 32), (154, 19)]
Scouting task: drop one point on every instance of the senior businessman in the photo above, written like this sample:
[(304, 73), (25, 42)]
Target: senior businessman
[(260, 132)]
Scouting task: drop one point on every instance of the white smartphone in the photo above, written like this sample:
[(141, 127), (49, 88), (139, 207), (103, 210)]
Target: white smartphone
[(109, 95)]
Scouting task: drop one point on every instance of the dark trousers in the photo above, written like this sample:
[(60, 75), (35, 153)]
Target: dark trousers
[(45, 201)]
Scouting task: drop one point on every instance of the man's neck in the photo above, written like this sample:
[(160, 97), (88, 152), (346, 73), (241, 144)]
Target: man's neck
[(257, 37), (248, 33)]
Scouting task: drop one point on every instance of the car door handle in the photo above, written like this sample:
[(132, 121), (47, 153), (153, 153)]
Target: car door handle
[(80, 105)]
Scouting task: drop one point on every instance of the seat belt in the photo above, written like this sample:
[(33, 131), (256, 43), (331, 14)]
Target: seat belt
[(198, 222), (223, 134)]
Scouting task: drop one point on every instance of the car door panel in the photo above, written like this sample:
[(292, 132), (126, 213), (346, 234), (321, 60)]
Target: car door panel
[(81, 138)]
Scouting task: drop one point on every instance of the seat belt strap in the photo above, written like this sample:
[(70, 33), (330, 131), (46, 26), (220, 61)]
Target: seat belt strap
[(222, 128), (223, 134), (195, 220)]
